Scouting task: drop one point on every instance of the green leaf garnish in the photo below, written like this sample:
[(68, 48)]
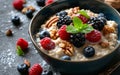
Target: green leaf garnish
[(19, 51), (78, 26), (84, 13)]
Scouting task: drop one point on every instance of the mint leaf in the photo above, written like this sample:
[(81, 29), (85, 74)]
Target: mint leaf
[(87, 28), (71, 29), (79, 27), (77, 22), (19, 51), (84, 13)]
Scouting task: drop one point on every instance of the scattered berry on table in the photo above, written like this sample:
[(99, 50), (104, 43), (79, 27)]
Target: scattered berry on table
[(97, 23), (18, 4), (94, 36), (47, 43), (48, 2), (43, 34), (88, 51), (29, 14), (78, 39), (25, 9), (64, 20), (22, 43), (63, 33), (83, 18), (36, 69), (9, 32), (66, 57), (62, 13), (15, 20), (40, 2), (23, 69)]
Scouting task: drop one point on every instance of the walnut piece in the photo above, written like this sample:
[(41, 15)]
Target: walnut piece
[(24, 10), (108, 29), (66, 47), (104, 44), (53, 34)]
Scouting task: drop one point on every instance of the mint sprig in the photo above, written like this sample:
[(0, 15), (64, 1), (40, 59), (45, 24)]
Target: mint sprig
[(19, 51), (84, 13), (79, 27)]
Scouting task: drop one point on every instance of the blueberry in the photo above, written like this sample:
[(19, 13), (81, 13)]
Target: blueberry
[(23, 69), (15, 20), (40, 2), (29, 14), (44, 33), (65, 57), (101, 15), (88, 51)]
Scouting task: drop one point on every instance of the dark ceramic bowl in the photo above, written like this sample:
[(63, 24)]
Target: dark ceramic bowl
[(73, 67)]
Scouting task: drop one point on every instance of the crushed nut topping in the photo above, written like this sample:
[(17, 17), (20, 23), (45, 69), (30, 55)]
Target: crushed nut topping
[(51, 21), (108, 29), (66, 47)]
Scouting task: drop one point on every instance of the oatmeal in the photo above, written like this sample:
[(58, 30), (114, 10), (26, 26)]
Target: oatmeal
[(77, 35)]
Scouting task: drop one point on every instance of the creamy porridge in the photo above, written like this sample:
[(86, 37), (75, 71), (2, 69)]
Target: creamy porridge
[(78, 35)]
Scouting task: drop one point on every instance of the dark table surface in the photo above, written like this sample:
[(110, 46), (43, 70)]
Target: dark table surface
[(8, 56)]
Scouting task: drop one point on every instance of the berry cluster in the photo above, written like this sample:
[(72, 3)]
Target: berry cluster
[(23, 68), (98, 22), (64, 19)]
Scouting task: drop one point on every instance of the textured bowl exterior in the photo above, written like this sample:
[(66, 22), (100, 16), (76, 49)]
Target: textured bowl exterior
[(74, 67)]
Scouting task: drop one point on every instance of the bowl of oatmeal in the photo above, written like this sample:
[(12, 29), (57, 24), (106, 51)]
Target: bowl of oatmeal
[(76, 36)]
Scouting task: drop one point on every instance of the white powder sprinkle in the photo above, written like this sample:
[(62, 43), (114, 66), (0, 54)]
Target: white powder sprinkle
[(7, 58)]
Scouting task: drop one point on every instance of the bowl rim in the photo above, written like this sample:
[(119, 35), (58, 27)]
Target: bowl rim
[(35, 43)]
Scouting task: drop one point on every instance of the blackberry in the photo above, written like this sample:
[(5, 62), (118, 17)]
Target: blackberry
[(61, 13), (88, 51), (97, 23), (64, 20), (78, 39)]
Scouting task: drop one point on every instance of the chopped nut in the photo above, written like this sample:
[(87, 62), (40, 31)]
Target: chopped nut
[(51, 21), (108, 29), (27, 62), (53, 34), (104, 44), (24, 10), (9, 32), (31, 8), (67, 48)]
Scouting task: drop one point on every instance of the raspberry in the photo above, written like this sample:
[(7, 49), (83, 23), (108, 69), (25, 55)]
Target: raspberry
[(48, 2), (36, 69), (47, 43), (63, 33), (18, 4), (94, 36), (83, 18), (22, 43)]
